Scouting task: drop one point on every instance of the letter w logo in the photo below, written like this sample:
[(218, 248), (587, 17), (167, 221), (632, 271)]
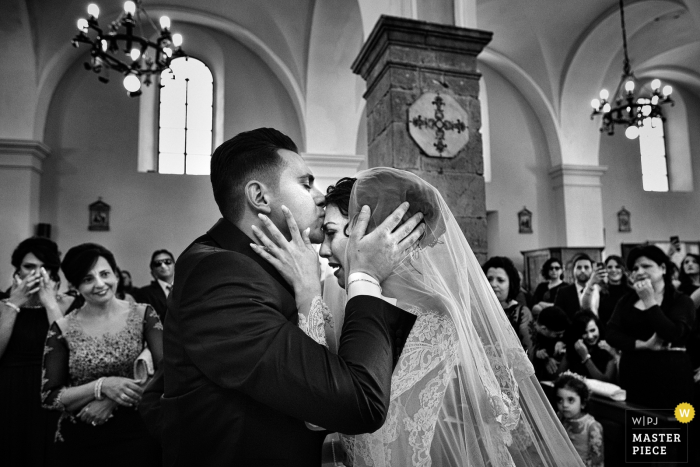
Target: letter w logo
[(684, 412)]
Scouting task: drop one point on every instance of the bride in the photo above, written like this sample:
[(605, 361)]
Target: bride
[(463, 392)]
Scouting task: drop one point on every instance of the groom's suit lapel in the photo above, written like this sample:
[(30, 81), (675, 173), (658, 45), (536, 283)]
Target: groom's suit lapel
[(229, 237)]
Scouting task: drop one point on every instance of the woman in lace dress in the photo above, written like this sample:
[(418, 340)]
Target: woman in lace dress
[(89, 368), (463, 391)]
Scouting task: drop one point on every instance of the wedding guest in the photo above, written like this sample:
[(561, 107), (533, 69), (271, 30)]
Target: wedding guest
[(126, 282), (585, 432), (548, 346), (89, 368), (569, 297), (505, 282), (586, 354), (32, 305), (613, 283), (156, 293), (651, 328), (689, 274), (546, 292)]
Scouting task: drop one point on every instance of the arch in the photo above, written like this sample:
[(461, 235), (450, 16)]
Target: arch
[(601, 43), (534, 95), (66, 56), (333, 95)]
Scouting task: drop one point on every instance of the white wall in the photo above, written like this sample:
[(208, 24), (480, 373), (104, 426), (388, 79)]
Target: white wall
[(654, 216), (92, 131), (520, 164)]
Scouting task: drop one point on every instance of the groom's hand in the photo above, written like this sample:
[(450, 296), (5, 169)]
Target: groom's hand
[(296, 260), (379, 252)]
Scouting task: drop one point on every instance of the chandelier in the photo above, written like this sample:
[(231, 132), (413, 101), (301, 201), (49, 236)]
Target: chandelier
[(625, 107), (125, 52)]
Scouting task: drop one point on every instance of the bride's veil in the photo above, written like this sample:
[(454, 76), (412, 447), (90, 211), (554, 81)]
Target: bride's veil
[(463, 391)]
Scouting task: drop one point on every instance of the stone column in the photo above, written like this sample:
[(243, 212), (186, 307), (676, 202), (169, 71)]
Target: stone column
[(578, 188), (20, 177), (401, 60)]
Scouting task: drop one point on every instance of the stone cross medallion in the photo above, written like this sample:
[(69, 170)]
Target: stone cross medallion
[(443, 133)]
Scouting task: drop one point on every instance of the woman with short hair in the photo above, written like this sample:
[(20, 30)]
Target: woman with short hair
[(89, 367), (546, 292)]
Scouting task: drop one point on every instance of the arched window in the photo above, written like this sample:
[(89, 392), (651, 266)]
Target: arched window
[(652, 146), (185, 118)]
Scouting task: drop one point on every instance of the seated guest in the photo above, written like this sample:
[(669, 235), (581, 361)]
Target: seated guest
[(651, 328), (122, 293), (546, 292), (156, 293), (26, 431), (689, 274), (89, 368), (613, 284), (505, 282), (569, 297), (586, 354), (548, 346)]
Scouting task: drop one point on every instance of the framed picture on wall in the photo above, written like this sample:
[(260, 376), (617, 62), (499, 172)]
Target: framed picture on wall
[(623, 220), (525, 221), (99, 216)]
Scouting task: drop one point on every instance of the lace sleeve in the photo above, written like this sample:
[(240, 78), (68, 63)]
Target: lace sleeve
[(313, 325), (153, 334), (54, 374), (595, 445)]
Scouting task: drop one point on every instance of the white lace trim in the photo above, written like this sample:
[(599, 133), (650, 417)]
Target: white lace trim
[(313, 324)]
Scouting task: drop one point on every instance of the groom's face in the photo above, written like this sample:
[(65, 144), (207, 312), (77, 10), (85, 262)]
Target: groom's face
[(296, 190)]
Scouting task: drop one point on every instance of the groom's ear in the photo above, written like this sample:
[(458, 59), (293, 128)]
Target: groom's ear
[(258, 197)]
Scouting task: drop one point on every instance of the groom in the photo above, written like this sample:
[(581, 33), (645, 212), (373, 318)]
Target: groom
[(240, 377)]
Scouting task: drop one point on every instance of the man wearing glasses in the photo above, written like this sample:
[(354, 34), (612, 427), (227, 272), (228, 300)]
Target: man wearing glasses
[(156, 293)]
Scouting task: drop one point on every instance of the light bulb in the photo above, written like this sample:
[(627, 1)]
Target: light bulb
[(654, 100), (129, 7), (164, 22), (132, 83), (607, 108), (667, 90), (135, 54), (632, 132), (646, 110), (655, 84), (167, 51), (83, 25), (604, 94), (629, 87), (177, 40), (104, 45), (595, 103), (93, 10)]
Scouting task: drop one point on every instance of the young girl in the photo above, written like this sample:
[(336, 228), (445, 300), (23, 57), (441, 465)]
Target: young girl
[(585, 432), (586, 354)]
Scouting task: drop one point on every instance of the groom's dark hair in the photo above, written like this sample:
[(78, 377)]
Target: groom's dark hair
[(248, 155)]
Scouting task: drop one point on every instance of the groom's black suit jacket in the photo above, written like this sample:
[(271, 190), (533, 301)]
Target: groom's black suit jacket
[(240, 376)]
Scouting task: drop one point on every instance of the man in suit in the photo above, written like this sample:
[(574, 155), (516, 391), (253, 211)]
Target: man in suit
[(569, 297), (156, 293), (240, 378)]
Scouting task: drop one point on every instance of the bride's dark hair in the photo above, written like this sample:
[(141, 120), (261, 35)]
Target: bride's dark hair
[(339, 194)]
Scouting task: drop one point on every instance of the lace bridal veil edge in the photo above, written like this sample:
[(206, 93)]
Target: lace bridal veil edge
[(463, 392)]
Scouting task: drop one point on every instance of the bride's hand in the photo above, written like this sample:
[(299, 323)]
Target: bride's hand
[(296, 260), (379, 252)]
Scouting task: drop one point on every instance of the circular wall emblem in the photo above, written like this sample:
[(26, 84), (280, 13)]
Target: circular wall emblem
[(438, 124)]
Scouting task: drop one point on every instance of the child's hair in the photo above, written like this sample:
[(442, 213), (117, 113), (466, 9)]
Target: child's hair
[(576, 383), (554, 318)]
